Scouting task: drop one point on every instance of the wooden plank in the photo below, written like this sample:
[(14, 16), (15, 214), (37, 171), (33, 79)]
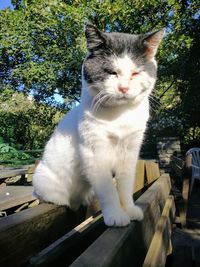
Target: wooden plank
[(178, 166), (12, 196), (139, 176), (177, 169), (179, 162), (183, 205), (30, 173), (11, 173), (160, 244), (152, 171), (66, 249), (25, 233), (117, 246), (188, 161)]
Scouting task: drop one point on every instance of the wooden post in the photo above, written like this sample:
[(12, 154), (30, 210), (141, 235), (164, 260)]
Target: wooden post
[(160, 244), (139, 176)]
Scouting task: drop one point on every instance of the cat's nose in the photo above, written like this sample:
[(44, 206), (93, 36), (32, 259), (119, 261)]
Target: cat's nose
[(123, 89)]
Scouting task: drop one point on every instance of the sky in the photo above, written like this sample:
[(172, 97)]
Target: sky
[(5, 4)]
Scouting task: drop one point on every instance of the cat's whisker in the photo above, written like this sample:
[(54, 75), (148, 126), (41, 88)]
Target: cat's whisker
[(99, 102), (152, 98), (97, 97), (101, 98), (111, 97), (153, 107)]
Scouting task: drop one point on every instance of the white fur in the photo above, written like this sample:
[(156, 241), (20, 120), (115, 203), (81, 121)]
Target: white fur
[(90, 144)]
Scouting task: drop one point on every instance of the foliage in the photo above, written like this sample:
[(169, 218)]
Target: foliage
[(42, 46), (9, 154), (25, 124)]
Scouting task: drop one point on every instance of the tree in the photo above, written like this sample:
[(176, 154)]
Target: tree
[(42, 46), (25, 124)]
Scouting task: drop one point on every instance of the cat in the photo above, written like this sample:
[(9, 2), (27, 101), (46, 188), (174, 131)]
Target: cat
[(101, 138)]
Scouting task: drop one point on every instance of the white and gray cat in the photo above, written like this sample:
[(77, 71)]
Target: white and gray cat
[(101, 137)]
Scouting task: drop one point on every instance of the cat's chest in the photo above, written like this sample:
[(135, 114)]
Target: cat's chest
[(116, 124), (121, 129), (125, 121)]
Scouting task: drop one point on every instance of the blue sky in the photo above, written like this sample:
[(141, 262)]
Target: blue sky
[(5, 3)]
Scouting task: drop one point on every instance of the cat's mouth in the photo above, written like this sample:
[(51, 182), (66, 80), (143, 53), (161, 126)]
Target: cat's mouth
[(120, 100), (126, 97)]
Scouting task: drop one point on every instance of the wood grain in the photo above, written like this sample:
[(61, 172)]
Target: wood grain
[(12, 196), (128, 246), (152, 171), (139, 176), (160, 244), (24, 234)]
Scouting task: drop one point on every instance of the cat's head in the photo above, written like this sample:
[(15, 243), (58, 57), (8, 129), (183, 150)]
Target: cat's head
[(119, 67)]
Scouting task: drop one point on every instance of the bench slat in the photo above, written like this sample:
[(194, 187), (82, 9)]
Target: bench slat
[(65, 250), (140, 175), (160, 244), (24, 234), (118, 246), (11, 173), (152, 171), (12, 196)]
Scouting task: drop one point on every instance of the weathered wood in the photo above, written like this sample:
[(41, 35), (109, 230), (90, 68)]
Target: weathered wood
[(128, 246), (177, 165), (178, 161), (12, 196), (25, 233), (184, 202), (34, 203), (188, 161), (89, 244), (160, 244), (139, 176), (177, 169), (66, 249), (152, 171), (11, 173), (30, 173), (25, 205)]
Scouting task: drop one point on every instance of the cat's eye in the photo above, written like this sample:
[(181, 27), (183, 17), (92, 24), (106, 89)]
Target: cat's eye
[(111, 72), (135, 73)]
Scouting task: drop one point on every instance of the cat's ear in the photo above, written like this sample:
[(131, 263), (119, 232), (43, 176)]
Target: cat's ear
[(94, 37), (151, 42)]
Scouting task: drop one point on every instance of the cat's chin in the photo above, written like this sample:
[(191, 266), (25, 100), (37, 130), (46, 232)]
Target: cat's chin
[(120, 102)]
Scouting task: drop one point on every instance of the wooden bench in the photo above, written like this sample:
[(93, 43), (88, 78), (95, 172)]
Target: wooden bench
[(24, 174), (12, 196), (180, 167), (48, 235)]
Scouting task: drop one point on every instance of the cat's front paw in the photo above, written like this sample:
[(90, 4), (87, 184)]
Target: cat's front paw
[(118, 218), (135, 213)]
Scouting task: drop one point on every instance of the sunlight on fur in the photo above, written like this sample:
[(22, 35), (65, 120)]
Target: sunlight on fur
[(103, 135)]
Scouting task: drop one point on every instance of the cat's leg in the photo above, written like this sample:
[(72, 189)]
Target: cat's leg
[(108, 197), (98, 172), (125, 183)]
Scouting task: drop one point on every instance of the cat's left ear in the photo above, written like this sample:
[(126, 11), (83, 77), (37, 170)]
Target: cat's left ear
[(151, 42), (94, 37)]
